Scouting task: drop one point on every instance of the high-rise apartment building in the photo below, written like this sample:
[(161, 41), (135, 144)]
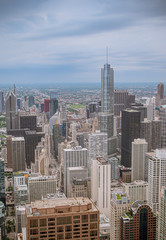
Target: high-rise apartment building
[(100, 185), (162, 215), (41, 185), (130, 131), (139, 223), (97, 147), (72, 218), (156, 177), (10, 104), (74, 157), (1, 102), (139, 148), (120, 204), (106, 117), (16, 153)]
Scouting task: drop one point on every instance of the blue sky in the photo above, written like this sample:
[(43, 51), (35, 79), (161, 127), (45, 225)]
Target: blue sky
[(65, 41)]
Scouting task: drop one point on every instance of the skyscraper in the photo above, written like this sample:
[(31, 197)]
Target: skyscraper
[(130, 131), (106, 117), (163, 125), (10, 103)]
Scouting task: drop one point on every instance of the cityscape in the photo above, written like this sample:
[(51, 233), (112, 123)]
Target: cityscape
[(82, 120)]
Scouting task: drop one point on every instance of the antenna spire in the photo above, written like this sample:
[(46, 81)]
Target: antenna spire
[(107, 54)]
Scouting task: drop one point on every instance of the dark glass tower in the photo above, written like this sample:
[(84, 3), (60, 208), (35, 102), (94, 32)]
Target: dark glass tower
[(130, 131)]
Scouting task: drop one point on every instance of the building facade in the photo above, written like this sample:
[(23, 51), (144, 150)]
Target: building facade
[(72, 218)]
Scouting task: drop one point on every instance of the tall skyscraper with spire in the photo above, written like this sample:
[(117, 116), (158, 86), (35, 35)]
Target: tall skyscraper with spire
[(106, 117), (10, 103)]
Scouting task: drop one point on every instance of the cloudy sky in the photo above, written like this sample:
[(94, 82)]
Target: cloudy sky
[(51, 41)]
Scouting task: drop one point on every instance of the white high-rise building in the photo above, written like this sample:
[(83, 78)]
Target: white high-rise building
[(74, 132), (150, 104), (74, 157), (139, 148), (100, 185), (106, 117), (156, 177), (97, 147), (162, 215)]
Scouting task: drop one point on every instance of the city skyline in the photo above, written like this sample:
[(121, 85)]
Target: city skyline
[(50, 41)]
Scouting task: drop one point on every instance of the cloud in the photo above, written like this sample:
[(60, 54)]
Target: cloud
[(75, 33)]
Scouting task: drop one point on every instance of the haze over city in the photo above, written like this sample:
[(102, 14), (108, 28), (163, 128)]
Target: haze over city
[(50, 41)]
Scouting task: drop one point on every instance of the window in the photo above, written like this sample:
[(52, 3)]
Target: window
[(84, 218), (34, 223), (43, 222), (93, 217), (64, 220)]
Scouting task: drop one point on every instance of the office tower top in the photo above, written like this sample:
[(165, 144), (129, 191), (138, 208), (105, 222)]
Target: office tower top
[(107, 89)]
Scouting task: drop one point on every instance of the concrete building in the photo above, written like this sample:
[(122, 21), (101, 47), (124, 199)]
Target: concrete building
[(16, 153), (77, 182), (106, 117), (120, 204), (156, 177), (46, 105), (137, 190), (162, 215), (41, 185), (97, 147), (10, 104), (130, 131), (72, 218), (139, 223), (101, 184), (156, 133), (74, 157), (151, 104), (139, 148)]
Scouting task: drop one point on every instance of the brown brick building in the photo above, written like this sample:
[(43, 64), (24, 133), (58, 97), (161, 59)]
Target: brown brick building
[(71, 218), (139, 223)]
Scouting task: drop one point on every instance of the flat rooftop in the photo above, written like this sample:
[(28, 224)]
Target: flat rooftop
[(40, 207)]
